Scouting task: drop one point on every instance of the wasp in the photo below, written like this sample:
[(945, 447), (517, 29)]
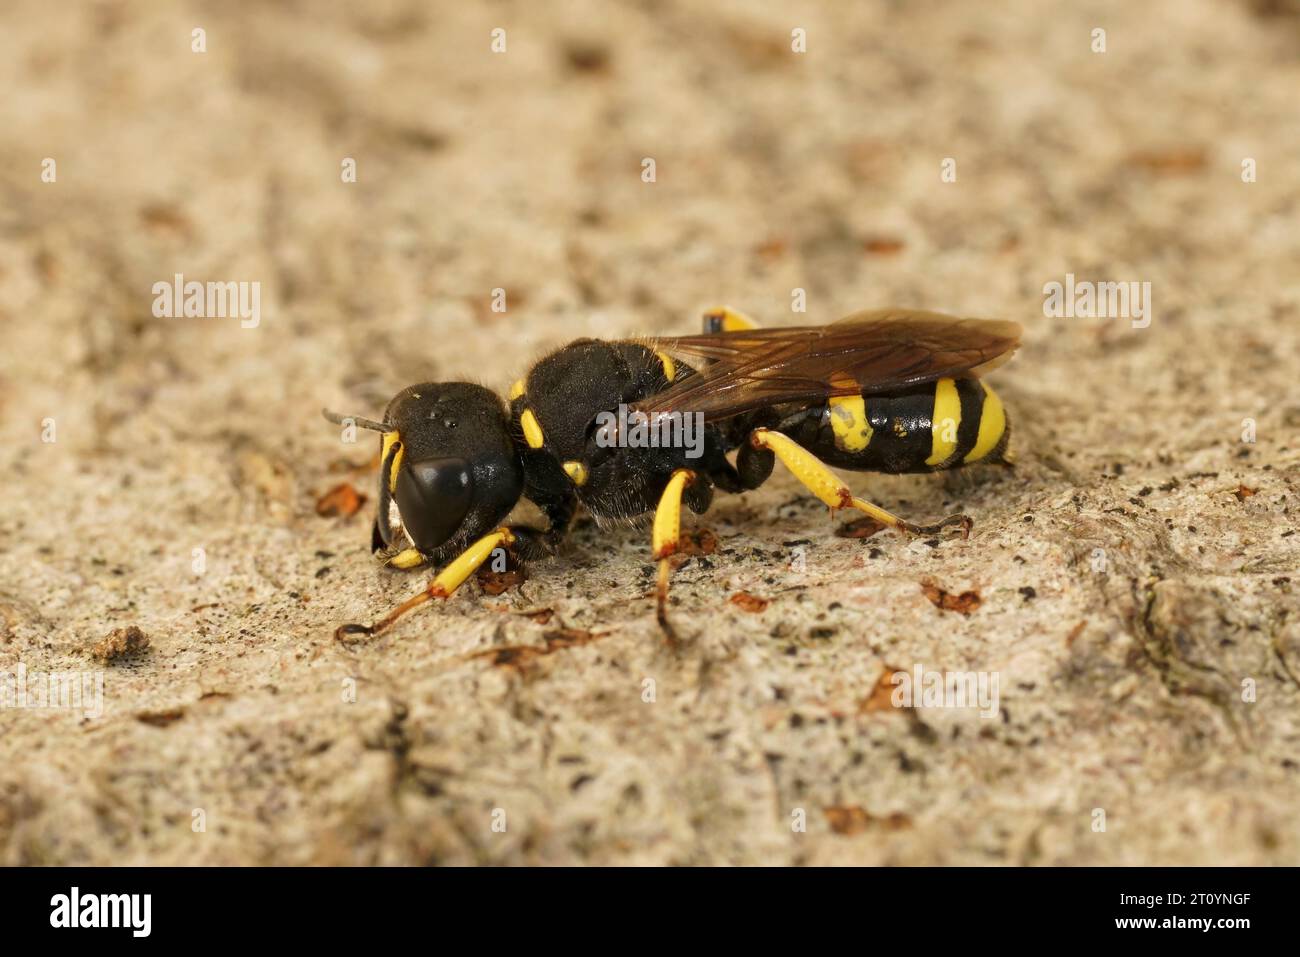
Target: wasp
[(631, 427)]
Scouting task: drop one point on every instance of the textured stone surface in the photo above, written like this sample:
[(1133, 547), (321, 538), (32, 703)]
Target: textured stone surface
[(1121, 670)]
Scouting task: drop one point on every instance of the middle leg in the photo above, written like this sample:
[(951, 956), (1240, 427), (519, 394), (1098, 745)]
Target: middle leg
[(665, 541)]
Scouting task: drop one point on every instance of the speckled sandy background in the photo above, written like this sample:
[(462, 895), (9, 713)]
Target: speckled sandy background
[(1136, 574)]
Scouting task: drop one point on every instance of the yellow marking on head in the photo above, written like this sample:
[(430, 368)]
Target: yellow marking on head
[(670, 367), (993, 422), (849, 422), (945, 420), (576, 471), (532, 431), (668, 516), (389, 440), (517, 389), (730, 320)]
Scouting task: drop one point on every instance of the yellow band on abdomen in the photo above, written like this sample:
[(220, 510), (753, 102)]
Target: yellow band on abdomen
[(993, 422), (945, 420)]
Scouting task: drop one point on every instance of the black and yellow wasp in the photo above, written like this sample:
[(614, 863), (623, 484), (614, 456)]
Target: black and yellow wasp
[(885, 391)]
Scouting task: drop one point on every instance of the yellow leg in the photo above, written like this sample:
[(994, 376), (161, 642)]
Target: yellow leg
[(406, 558), (667, 531), (726, 319), (828, 487), (442, 586)]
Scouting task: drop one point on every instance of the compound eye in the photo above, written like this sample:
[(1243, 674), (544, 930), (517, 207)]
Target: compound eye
[(434, 496)]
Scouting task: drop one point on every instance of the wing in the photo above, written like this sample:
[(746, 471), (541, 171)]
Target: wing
[(877, 351)]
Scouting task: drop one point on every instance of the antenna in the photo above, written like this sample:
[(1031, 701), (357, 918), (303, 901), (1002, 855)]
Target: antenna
[(364, 423)]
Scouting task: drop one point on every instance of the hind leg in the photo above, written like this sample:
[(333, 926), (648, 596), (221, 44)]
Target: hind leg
[(726, 319), (828, 487)]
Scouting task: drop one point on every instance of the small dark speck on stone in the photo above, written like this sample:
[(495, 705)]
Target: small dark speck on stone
[(586, 56), (1029, 593), (875, 553), (322, 571), (1029, 518)]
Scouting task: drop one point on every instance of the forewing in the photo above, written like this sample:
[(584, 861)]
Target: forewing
[(878, 351)]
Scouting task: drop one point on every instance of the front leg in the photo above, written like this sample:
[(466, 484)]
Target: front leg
[(442, 586), (528, 543)]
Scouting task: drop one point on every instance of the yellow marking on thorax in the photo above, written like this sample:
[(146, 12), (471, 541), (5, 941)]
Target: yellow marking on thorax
[(517, 389), (670, 367), (389, 440), (532, 431), (577, 472), (849, 419), (993, 422), (945, 420)]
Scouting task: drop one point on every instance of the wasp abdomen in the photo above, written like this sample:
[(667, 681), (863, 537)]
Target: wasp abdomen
[(939, 425)]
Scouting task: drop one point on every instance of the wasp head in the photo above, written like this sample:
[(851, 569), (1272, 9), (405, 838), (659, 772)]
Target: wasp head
[(449, 472)]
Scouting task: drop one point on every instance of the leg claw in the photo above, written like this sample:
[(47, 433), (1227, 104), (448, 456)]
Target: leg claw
[(345, 633)]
